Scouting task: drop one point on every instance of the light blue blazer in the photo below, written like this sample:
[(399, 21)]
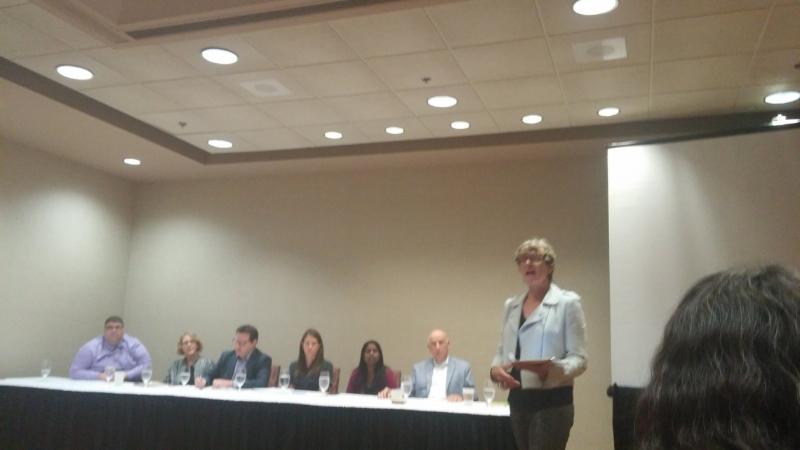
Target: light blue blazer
[(556, 329), (459, 376)]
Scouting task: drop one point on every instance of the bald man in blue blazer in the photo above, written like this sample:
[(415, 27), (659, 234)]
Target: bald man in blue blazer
[(441, 376)]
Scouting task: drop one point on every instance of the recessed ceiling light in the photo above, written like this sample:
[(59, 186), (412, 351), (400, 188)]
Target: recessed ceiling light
[(594, 7), (442, 101), (74, 72), (132, 161), (780, 98), (395, 130), (333, 135), (532, 119), (459, 125), (219, 56), (780, 119), (608, 112), (220, 143)]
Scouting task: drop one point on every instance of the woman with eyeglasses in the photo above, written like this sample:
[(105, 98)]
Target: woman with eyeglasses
[(542, 349), (189, 346), (372, 376)]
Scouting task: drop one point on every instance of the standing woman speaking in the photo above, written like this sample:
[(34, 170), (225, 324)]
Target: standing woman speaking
[(542, 349)]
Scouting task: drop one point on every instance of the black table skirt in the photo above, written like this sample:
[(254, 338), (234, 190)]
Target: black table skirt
[(49, 419)]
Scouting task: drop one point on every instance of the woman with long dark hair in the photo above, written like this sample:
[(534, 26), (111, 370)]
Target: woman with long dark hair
[(304, 373), (727, 372), (372, 376)]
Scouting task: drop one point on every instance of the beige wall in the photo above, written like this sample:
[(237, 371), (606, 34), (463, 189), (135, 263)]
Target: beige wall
[(64, 235), (385, 254)]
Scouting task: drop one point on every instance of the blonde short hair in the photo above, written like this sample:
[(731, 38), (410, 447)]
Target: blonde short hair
[(194, 338), (537, 245)]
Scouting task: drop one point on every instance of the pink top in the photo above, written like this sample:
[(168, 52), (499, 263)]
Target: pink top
[(354, 385)]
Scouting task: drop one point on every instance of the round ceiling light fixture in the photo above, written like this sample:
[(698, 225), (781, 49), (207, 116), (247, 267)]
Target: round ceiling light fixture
[(594, 7), (782, 98), (220, 143), (459, 125), (219, 56), (442, 101), (74, 72), (333, 135), (132, 161), (395, 130), (611, 111), (532, 119)]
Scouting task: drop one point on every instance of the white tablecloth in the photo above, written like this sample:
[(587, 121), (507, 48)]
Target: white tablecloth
[(264, 395)]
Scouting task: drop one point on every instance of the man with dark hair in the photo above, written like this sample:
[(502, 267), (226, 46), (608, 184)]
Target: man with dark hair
[(112, 348), (244, 357)]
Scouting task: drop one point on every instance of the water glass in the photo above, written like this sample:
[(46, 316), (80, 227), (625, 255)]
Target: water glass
[(239, 378), (283, 379), (109, 372), (489, 392), (468, 394), (406, 384), (324, 380), (147, 375), (46, 368), (184, 377)]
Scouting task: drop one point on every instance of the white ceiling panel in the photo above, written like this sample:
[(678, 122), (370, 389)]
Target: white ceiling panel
[(701, 74), (479, 123), (132, 99), (553, 116), (619, 82), (696, 37), (375, 130), (565, 47), (250, 60), (303, 112), (301, 45), (418, 70), (381, 105), (417, 99), (196, 93), (144, 63), (520, 92), (269, 86), (505, 60), (277, 139), (478, 22), (392, 33), (328, 80)]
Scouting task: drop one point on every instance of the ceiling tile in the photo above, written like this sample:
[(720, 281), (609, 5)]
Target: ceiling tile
[(250, 60), (394, 33), (201, 141), (408, 71), (53, 26), (417, 100), (316, 134), (270, 86), (505, 60), (726, 34), (630, 109), (772, 67), (479, 123), (303, 112), (692, 103), (196, 93), (553, 116), (479, 22), (559, 18), (277, 139), (236, 118), (783, 29), (382, 105), (700, 74), (6, 3), (301, 45), (676, 9), (751, 98), (637, 47), (46, 65), (19, 40), (144, 63), (375, 130), (519, 92), (619, 82), (132, 99), (179, 122), (344, 78)]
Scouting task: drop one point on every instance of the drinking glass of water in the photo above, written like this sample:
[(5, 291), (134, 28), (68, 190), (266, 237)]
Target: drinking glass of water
[(184, 377), (406, 386), (324, 380), (109, 373), (46, 366), (488, 392), (147, 375), (283, 379), (239, 379)]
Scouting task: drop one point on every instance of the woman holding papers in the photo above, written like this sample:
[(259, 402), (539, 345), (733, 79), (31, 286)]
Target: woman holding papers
[(542, 349)]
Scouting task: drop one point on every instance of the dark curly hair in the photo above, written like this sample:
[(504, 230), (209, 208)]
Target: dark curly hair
[(727, 372)]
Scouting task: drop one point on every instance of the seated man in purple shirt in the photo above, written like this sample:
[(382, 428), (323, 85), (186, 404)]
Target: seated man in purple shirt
[(112, 348)]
